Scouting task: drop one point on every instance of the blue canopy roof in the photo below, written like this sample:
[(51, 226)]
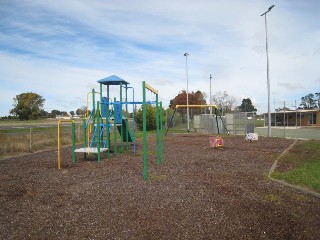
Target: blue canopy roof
[(112, 80)]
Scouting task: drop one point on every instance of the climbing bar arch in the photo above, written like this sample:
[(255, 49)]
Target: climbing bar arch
[(159, 134), (147, 86)]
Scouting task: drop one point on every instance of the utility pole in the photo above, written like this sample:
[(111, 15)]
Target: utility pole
[(210, 95), (268, 80)]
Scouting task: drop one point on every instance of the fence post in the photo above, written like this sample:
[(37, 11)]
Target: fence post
[(284, 119), (73, 137), (30, 139)]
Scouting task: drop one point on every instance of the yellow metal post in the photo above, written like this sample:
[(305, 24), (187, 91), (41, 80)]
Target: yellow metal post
[(59, 144)]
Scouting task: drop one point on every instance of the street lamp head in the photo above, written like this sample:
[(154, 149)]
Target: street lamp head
[(186, 54), (269, 9)]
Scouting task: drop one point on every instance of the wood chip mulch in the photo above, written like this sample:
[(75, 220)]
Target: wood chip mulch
[(197, 193)]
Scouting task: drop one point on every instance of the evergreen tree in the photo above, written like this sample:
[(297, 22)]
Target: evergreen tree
[(246, 106), (151, 118)]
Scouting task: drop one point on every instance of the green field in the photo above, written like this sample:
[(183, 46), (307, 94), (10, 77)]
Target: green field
[(301, 165)]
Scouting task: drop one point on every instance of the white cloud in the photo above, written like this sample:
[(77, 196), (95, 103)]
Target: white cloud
[(60, 49)]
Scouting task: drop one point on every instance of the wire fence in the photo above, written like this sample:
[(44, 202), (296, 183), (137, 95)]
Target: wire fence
[(19, 140), (288, 120)]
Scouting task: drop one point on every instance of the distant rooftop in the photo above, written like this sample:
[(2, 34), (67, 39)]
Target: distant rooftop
[(297, 111), (112, 80)]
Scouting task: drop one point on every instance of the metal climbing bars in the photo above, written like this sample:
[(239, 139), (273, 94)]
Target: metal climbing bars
[(159, 130)]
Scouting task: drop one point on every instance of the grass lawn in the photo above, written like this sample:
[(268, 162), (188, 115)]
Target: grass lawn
[(301, 165)]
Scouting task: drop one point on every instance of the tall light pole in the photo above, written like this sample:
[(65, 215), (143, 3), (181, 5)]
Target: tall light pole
[(210, 95), (268, 81), (186, 55)]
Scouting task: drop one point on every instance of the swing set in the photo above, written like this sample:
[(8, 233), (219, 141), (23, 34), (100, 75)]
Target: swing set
[(217, 114)]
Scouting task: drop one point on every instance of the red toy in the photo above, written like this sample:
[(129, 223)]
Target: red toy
[(216, 142)]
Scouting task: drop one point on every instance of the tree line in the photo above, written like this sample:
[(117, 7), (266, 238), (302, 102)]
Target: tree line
[(27, 106)]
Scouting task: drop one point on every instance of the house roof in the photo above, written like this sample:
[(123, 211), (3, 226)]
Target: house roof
[(112, 80), (298, 111)]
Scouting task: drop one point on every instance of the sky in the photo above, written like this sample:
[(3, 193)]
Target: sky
[(60, 49)]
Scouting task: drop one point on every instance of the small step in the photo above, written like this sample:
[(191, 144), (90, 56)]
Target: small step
[(90, 150), (101, 124)]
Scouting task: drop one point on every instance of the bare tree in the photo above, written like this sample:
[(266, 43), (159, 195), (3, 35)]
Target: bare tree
[(310, 101), (224, 101)]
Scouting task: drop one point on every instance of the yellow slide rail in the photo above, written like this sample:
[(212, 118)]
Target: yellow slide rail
[(87, 109)]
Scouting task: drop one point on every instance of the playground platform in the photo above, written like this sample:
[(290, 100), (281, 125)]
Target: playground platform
[(90, 150)]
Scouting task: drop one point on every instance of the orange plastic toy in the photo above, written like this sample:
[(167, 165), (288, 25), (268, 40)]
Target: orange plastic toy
[(216, 142)]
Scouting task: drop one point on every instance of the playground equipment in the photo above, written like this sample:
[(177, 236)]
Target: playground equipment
[(251, 137), (216, 142), (109, 116), (217, 114)]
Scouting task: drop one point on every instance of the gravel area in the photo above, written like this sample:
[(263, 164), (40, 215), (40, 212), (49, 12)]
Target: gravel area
[(197, 193)]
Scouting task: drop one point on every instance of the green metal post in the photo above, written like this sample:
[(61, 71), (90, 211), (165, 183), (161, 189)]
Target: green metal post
[(107, 130), (114, 130), (73, 135), (84, 137), (108, 117), (144, 125), (100, 92), (121, 129), (99, 129), (127, 116), (161, 134), (101, 109), (157, 131)]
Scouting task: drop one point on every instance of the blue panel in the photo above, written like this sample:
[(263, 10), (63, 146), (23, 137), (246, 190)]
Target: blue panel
[(104, 105), (118, 113)]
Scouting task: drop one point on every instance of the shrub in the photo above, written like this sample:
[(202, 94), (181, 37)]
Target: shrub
[(151, 118)]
